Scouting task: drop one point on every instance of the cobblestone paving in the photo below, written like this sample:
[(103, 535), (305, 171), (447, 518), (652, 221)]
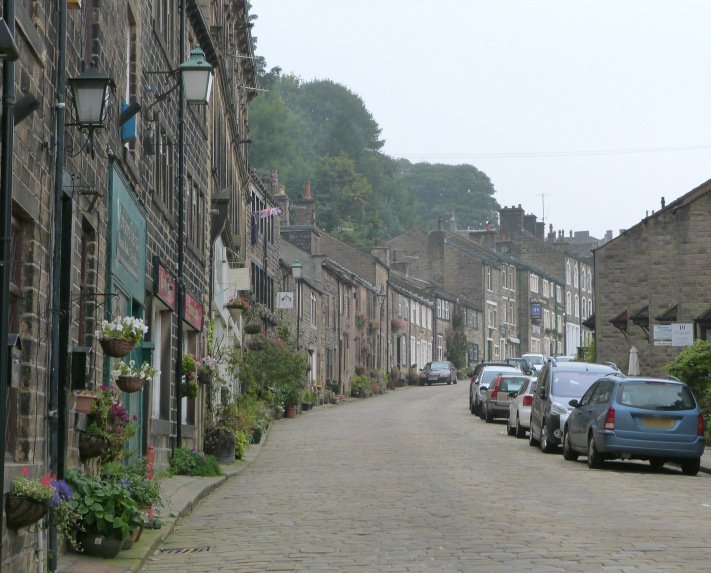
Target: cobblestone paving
[(411, 481)]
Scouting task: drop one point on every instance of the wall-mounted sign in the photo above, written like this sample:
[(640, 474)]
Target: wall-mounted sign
[(536, 329), (662, 334), (503, 330), (285, 300), (193, 312), (165, 286), (682, 334), (536, 311)]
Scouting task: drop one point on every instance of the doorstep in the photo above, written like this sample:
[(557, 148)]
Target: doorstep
[(183, 494)]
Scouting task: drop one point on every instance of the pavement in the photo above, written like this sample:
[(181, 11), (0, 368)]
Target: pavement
[(183, 495), (411, 481)]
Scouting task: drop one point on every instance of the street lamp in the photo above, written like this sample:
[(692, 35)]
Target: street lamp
[(91, 92), (196, 78), (296, 273)]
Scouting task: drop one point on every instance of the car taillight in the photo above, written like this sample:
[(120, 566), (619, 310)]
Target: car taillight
[(700, 427), (495, 391), (610, 419), (528, 400)]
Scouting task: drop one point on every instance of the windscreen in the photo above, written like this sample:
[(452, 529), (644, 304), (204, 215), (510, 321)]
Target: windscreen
[(573, 384), (440, 366), (512, 384), (655, 396), (537, 360)]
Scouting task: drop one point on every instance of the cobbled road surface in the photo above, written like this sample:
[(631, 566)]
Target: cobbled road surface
[(411, 481)]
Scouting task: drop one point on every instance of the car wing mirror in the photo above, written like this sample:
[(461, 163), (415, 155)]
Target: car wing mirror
[(542, 393), (574, 403)]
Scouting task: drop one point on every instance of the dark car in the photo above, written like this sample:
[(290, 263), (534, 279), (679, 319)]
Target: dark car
[(636, 418), (497, 398), (438, 372), (521, 363), (558, 384)]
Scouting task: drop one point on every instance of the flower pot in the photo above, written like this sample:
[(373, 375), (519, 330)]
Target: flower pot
[(131, 540), (305, 406), (140, 532), (205, 377), (97, 545), (91, 446), (23, 511), (235, 310), (355, 393), (290, 412), (256, 436), (116, 347), (147, 511), (85, 404), (278, 414), (223, 449), (253, 328), (130, 384)]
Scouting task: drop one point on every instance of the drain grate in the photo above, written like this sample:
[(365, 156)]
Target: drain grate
[(183, 550)]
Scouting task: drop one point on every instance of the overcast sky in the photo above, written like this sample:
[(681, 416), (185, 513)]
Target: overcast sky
[(454, 80)]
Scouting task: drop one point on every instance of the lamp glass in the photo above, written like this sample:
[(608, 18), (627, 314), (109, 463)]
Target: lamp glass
[(92, 93), (296, 269), (197, 83)]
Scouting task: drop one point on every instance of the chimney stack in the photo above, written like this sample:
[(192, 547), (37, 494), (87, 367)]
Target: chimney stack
[(439, 224), (305, 208), (571, 234), (377, 241)]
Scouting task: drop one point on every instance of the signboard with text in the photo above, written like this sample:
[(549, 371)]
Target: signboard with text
[(682, 334), (165, 287), (536, 311), (193, 312), (662, 334)]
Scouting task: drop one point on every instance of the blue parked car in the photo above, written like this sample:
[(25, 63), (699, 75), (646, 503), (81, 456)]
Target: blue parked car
[(636, 418)]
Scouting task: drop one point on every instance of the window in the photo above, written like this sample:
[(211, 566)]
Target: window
[(443, 310), (413, 317), (512, 316), (511, 278), (504, 311), (546, 319), (440, 352), (488, 279), (534, 283), (429, 319), (130, 65), (535, 346), (590, 308), (568, 304), (558, 293), (399, 306), (491, 315), (164, 179), (559, 319), (502, 346), (406, 312), (327, 306), (590, 285), (164, 23), (575, 275), (313, 309), (439, 309), (582, 278), (424, 315), (567, 273), (16, 247), (413, 355), (329, 363), (545, 288), (547, 346), (577, 307), (504, 281), (584, 307)]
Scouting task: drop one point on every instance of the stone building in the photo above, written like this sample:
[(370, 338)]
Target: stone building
[(651, 285), (119, 216)]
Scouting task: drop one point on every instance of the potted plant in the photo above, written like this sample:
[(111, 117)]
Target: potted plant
[(360, 370), (253, 327), (109, 430), (118, 337), (373, 327), (189, 363), (306, 401), (395, 325), (366, 351), (361, 320), (358, 386), (130, 379), (109, 514), (235, 306), (189, 389), (207, 369), (85, 401)]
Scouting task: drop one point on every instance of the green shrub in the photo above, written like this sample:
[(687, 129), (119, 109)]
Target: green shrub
[(242, 440), (693, 366), (187, 462)]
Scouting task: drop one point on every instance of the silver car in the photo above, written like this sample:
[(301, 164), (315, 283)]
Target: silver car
[(487, 375), (497, 398), (520, 410)]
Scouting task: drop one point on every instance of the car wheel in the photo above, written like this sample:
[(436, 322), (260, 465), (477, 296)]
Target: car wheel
[(488, 417), (455, 380), (429, 383), (531, 440), (520, 430), (595, 459), (546, 446), (568, 452), (449, 382), (690, 467), (510, 430), (657, 463)]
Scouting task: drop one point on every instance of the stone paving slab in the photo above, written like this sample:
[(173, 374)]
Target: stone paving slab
[(411, 481)]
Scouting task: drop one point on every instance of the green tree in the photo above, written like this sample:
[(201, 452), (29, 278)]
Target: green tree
[(457, 343), (693, 366)]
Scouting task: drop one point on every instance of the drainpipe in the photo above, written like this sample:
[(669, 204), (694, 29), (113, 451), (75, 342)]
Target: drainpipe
[(181, 238), (53, 391), (8, 133), (340, 340), (520, 312)]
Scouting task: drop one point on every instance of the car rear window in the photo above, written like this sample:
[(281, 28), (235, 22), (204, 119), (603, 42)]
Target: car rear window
[(489, 375), (535, 360), (440, 366), (573, 384), (512, 384), (658, 396)]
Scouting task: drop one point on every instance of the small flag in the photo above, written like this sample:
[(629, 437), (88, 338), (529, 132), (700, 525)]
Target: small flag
[(270, 212)]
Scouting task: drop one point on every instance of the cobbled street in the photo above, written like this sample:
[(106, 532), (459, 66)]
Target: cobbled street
[(411, 481)]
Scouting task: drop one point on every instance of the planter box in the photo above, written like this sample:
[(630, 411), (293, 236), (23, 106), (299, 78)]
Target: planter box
[(84, 404)]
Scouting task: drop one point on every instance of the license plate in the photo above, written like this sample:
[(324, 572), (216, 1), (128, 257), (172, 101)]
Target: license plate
[(433, 376), (657, 423)]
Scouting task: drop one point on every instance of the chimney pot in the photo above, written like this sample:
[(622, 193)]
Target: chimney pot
[(377, 241), (307, 190), (439, 223), (519, 205), (550, 227), (571, 233), (488, 227), (664, 203)]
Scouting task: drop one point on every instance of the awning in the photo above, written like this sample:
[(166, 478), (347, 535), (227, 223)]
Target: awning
[(514, 340), (590, 322), (670, 315)]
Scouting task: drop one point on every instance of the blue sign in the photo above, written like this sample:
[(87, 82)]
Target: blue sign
[(536, 311)]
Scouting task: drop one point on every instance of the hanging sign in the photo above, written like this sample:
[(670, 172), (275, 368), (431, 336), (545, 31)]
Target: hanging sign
[(285, 300), (193, 312), (536, 311), (165, 287)]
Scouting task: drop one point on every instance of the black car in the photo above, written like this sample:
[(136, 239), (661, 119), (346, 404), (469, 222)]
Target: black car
[(438, 372), (558, 384)]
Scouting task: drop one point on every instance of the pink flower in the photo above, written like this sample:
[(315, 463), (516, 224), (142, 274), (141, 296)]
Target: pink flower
[(135, 418), (26, 471), (104, 388)]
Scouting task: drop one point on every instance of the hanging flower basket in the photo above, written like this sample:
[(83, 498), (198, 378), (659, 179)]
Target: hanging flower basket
[(91, 446), (253, 328), (116, 347), (361, 319), (205, 377), (395, 325), (235, 309), (189, 390), (85, 403), (23, 511), (130, 384)]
